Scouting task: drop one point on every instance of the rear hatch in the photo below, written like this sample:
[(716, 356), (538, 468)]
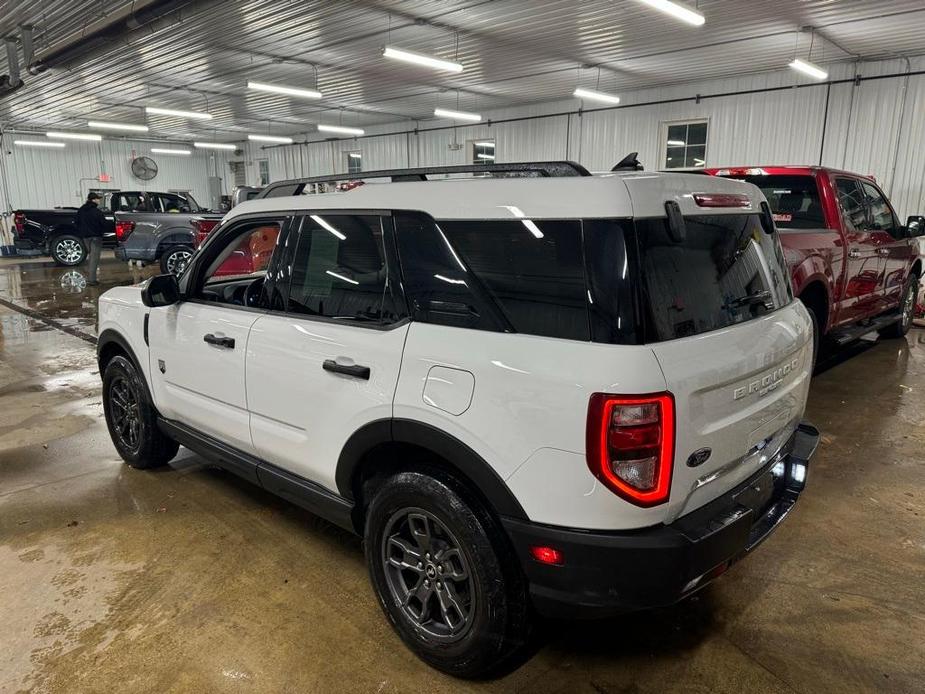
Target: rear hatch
[(718, 312)]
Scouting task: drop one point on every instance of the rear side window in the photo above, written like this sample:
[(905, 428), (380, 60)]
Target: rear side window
[(532, 270), (726, 271), (339, 269), (794, 200)]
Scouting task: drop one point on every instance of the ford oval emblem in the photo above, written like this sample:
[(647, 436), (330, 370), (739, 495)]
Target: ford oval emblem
[(699, 457)]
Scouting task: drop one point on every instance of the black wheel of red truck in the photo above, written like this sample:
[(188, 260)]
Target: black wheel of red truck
[(68, 250), (906, 311)]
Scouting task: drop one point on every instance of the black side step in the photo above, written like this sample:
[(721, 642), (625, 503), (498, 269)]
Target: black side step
[(843, 336)]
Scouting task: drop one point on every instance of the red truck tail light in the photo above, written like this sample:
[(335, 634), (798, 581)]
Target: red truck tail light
[(19, 221), (202, 229), (630, 445), (124, 230)]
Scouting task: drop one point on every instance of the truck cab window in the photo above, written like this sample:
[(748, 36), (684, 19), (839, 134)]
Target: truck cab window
[(851, 200), (879, 213)]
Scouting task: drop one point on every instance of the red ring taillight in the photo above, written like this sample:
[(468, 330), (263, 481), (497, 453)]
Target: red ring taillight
[(630, 445)]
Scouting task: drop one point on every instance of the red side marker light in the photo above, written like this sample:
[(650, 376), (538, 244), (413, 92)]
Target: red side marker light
[(547, 555)]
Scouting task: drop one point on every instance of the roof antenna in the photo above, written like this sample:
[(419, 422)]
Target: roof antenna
[(629, 163)]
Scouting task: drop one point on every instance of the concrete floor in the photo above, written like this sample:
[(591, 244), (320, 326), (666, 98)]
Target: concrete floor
[(189, 580)]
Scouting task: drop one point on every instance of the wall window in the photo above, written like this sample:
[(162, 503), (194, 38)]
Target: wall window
[(483, 151), (354, 162), (685, 145), (263, 167)]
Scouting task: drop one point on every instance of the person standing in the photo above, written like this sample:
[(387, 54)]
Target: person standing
[(91, 224)]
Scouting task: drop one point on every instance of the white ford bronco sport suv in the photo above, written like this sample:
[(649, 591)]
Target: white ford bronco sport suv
[(532, 391)]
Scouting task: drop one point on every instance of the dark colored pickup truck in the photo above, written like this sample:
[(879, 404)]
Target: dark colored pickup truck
[(53, 232), (852, 263)]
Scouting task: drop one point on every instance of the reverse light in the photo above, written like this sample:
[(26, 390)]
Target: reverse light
[(124, 229), (630, 445), (547, 555)]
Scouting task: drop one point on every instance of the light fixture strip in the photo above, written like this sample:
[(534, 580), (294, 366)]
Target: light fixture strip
[(677, 10), (159, 150), (109, 125), (195, 115), (270, 138), (214, 145), (457, 115), (808, 68), (340, 129), (38, 143), (288, 91), (73, 136), (592, 95), (419, 59)]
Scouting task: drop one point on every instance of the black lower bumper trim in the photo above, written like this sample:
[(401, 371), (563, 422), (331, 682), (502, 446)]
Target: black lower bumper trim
[(607, 573)]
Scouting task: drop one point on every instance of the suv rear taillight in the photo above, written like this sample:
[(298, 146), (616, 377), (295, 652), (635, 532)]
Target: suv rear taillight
[(19, 221), (202, 228), (630, 445), (124, 230)]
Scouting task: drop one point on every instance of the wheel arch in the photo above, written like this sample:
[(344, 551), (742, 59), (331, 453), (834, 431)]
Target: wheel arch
[(815, 295), (110, 344), (386, 446), (174, 237)]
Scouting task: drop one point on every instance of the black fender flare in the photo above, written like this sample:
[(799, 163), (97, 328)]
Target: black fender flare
[(466, 461), (110, 336)]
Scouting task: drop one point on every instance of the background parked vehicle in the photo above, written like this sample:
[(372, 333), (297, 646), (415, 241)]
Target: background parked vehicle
[(852, 263), (160, 229), (54, 232)]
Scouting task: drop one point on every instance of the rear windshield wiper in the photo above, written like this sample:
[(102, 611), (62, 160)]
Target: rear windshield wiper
[(760, 297)]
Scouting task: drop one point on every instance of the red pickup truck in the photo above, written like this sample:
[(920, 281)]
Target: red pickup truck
[(852, 263)]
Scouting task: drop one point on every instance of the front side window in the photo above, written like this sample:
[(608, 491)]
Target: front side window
[(878, 209), (685, 145), (851, 201), (237, 269), (725, 271), (339, 270)]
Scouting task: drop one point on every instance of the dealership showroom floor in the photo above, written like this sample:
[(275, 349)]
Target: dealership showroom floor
[(161, 117)]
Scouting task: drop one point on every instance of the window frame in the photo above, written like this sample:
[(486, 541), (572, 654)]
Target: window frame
[(193, 280), (348, 159), (870, 216), (393, 274), (472, 153), (846, 221), (664, 126)]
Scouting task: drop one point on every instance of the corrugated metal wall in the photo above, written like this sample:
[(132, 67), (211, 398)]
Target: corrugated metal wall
[(867, 129)]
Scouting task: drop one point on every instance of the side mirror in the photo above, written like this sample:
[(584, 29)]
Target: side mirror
[(915, 226), (161, 290)]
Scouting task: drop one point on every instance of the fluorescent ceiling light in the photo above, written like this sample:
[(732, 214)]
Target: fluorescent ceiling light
[(676, 10), (486, 156), (592, 95), (270, 138), (179, 114), (418, 59), (159, 150), (109, 125), (808, 68), (74, 136), (457, 115), (340, 130), (288, 91), (214, 145), (676, 143), (38, 143), (341, 277), (324, 225), (485, 144)]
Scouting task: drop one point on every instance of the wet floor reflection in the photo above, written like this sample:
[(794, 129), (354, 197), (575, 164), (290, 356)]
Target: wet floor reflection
[(62, 293)]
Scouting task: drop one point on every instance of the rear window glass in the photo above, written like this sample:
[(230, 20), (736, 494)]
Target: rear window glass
[(794, 200), (534, 272), (726, 271)]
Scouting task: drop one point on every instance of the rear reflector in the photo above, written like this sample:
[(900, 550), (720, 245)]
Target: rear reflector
[(547, 555), (630, 445), (722, 200)]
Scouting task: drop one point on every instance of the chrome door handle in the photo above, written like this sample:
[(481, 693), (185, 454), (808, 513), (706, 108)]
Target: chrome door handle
[(854, 253)]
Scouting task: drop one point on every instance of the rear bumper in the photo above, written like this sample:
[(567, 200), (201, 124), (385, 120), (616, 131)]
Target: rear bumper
[(27, 246), (607, 573)]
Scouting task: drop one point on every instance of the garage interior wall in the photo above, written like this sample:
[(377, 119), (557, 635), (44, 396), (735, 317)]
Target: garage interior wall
[(873, 126)]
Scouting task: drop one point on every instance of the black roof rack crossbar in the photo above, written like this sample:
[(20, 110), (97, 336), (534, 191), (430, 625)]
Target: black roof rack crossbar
[(541, 169)]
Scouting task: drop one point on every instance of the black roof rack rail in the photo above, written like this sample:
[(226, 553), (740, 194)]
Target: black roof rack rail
[(541, 169)]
